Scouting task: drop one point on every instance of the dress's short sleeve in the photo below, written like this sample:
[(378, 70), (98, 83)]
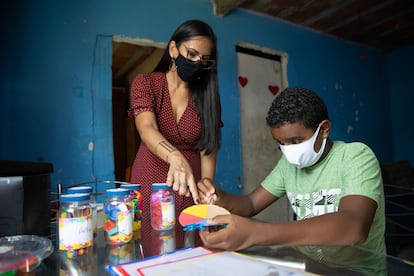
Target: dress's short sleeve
[(141, 96)]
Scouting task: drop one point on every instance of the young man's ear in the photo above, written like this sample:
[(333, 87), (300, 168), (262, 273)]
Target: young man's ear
[(325, 128)]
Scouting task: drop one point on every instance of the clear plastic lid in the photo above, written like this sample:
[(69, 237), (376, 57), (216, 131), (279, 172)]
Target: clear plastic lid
[(23, 252)]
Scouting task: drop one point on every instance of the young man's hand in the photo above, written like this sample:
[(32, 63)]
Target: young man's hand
[(237, 233), (207, 191)]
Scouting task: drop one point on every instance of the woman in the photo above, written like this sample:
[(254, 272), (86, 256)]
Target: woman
[(177, 113)]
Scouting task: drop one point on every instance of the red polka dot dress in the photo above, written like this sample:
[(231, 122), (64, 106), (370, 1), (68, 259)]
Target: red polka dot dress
[(149, 92)]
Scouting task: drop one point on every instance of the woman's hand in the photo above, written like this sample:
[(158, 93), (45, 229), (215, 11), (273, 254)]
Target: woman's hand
[(237, 233), (180, 176)]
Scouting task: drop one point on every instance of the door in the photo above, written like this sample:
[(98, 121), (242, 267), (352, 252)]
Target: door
[(261, 76)]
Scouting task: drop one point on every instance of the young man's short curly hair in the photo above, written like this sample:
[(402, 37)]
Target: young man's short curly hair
[(297, 105)]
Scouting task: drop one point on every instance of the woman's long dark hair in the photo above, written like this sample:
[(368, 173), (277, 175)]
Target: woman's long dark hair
[(204, 91)]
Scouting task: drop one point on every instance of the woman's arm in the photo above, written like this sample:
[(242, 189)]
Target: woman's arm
[(180, 171)]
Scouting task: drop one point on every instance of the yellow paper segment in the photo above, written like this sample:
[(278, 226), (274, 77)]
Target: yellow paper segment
[(205, 211), (197, 210)]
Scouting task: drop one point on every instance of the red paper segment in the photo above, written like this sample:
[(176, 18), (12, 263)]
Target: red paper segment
[(186, 219), (197, 213)]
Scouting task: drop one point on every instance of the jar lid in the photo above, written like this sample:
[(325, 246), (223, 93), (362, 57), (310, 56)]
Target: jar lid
[(74, 197), (117, 192), (160, 186), (131, 186), (79, 189)]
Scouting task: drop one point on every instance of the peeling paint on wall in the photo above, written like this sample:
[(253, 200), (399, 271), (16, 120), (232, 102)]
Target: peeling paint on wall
[(90, 146), (338, 86)]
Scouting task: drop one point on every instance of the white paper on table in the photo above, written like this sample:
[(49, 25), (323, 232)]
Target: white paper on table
[(182, 254), (201, 261)]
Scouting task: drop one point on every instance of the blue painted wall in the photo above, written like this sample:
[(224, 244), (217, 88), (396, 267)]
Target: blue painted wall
[(56, 80), (401, 76)]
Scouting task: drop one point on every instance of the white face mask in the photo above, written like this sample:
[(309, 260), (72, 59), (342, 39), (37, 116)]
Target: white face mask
[(303, 155)]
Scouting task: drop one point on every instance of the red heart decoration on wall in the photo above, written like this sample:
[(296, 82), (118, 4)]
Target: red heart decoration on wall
[(274, 89), (243, 81)]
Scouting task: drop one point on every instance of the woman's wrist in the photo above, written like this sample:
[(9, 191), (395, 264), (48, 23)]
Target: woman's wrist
[(168, 155), (166, 148)]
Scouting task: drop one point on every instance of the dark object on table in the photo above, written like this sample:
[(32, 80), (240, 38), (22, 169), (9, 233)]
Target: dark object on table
[(24, 198)]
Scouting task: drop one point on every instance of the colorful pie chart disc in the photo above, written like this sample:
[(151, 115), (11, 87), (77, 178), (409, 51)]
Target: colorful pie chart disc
[(199, 214)]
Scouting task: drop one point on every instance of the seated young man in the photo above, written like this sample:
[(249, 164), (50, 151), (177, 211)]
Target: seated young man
[(335, 188)]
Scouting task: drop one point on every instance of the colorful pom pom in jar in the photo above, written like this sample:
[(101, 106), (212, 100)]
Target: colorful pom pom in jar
[(75, 224), (162, 207), (119, 216)]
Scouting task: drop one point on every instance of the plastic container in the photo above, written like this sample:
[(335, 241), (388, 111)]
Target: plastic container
[(118, 209), (87, 190), (75, 224), (23, 253), (162, 207), (136, 198)]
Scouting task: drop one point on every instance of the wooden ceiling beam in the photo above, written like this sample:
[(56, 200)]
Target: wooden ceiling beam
[(222, 7), (131, 62), (342, 23), (327, 12), (299, 6)]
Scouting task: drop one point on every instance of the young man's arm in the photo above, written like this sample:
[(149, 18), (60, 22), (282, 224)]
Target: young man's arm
[(350, 225), (243, 205)]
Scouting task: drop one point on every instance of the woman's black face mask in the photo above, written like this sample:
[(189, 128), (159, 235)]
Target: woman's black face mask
[(188, 70)]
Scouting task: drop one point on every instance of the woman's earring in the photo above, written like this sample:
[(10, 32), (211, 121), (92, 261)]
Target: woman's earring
[(173, 66)]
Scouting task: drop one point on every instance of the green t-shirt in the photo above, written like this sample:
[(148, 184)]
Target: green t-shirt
[(348, 169)]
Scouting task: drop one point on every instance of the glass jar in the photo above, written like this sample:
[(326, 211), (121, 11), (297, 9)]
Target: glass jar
[(162, 207), (119, 253), (75, 224), (118, 209), (136, 198), (87, 190), (84, 265), (163, 241)]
